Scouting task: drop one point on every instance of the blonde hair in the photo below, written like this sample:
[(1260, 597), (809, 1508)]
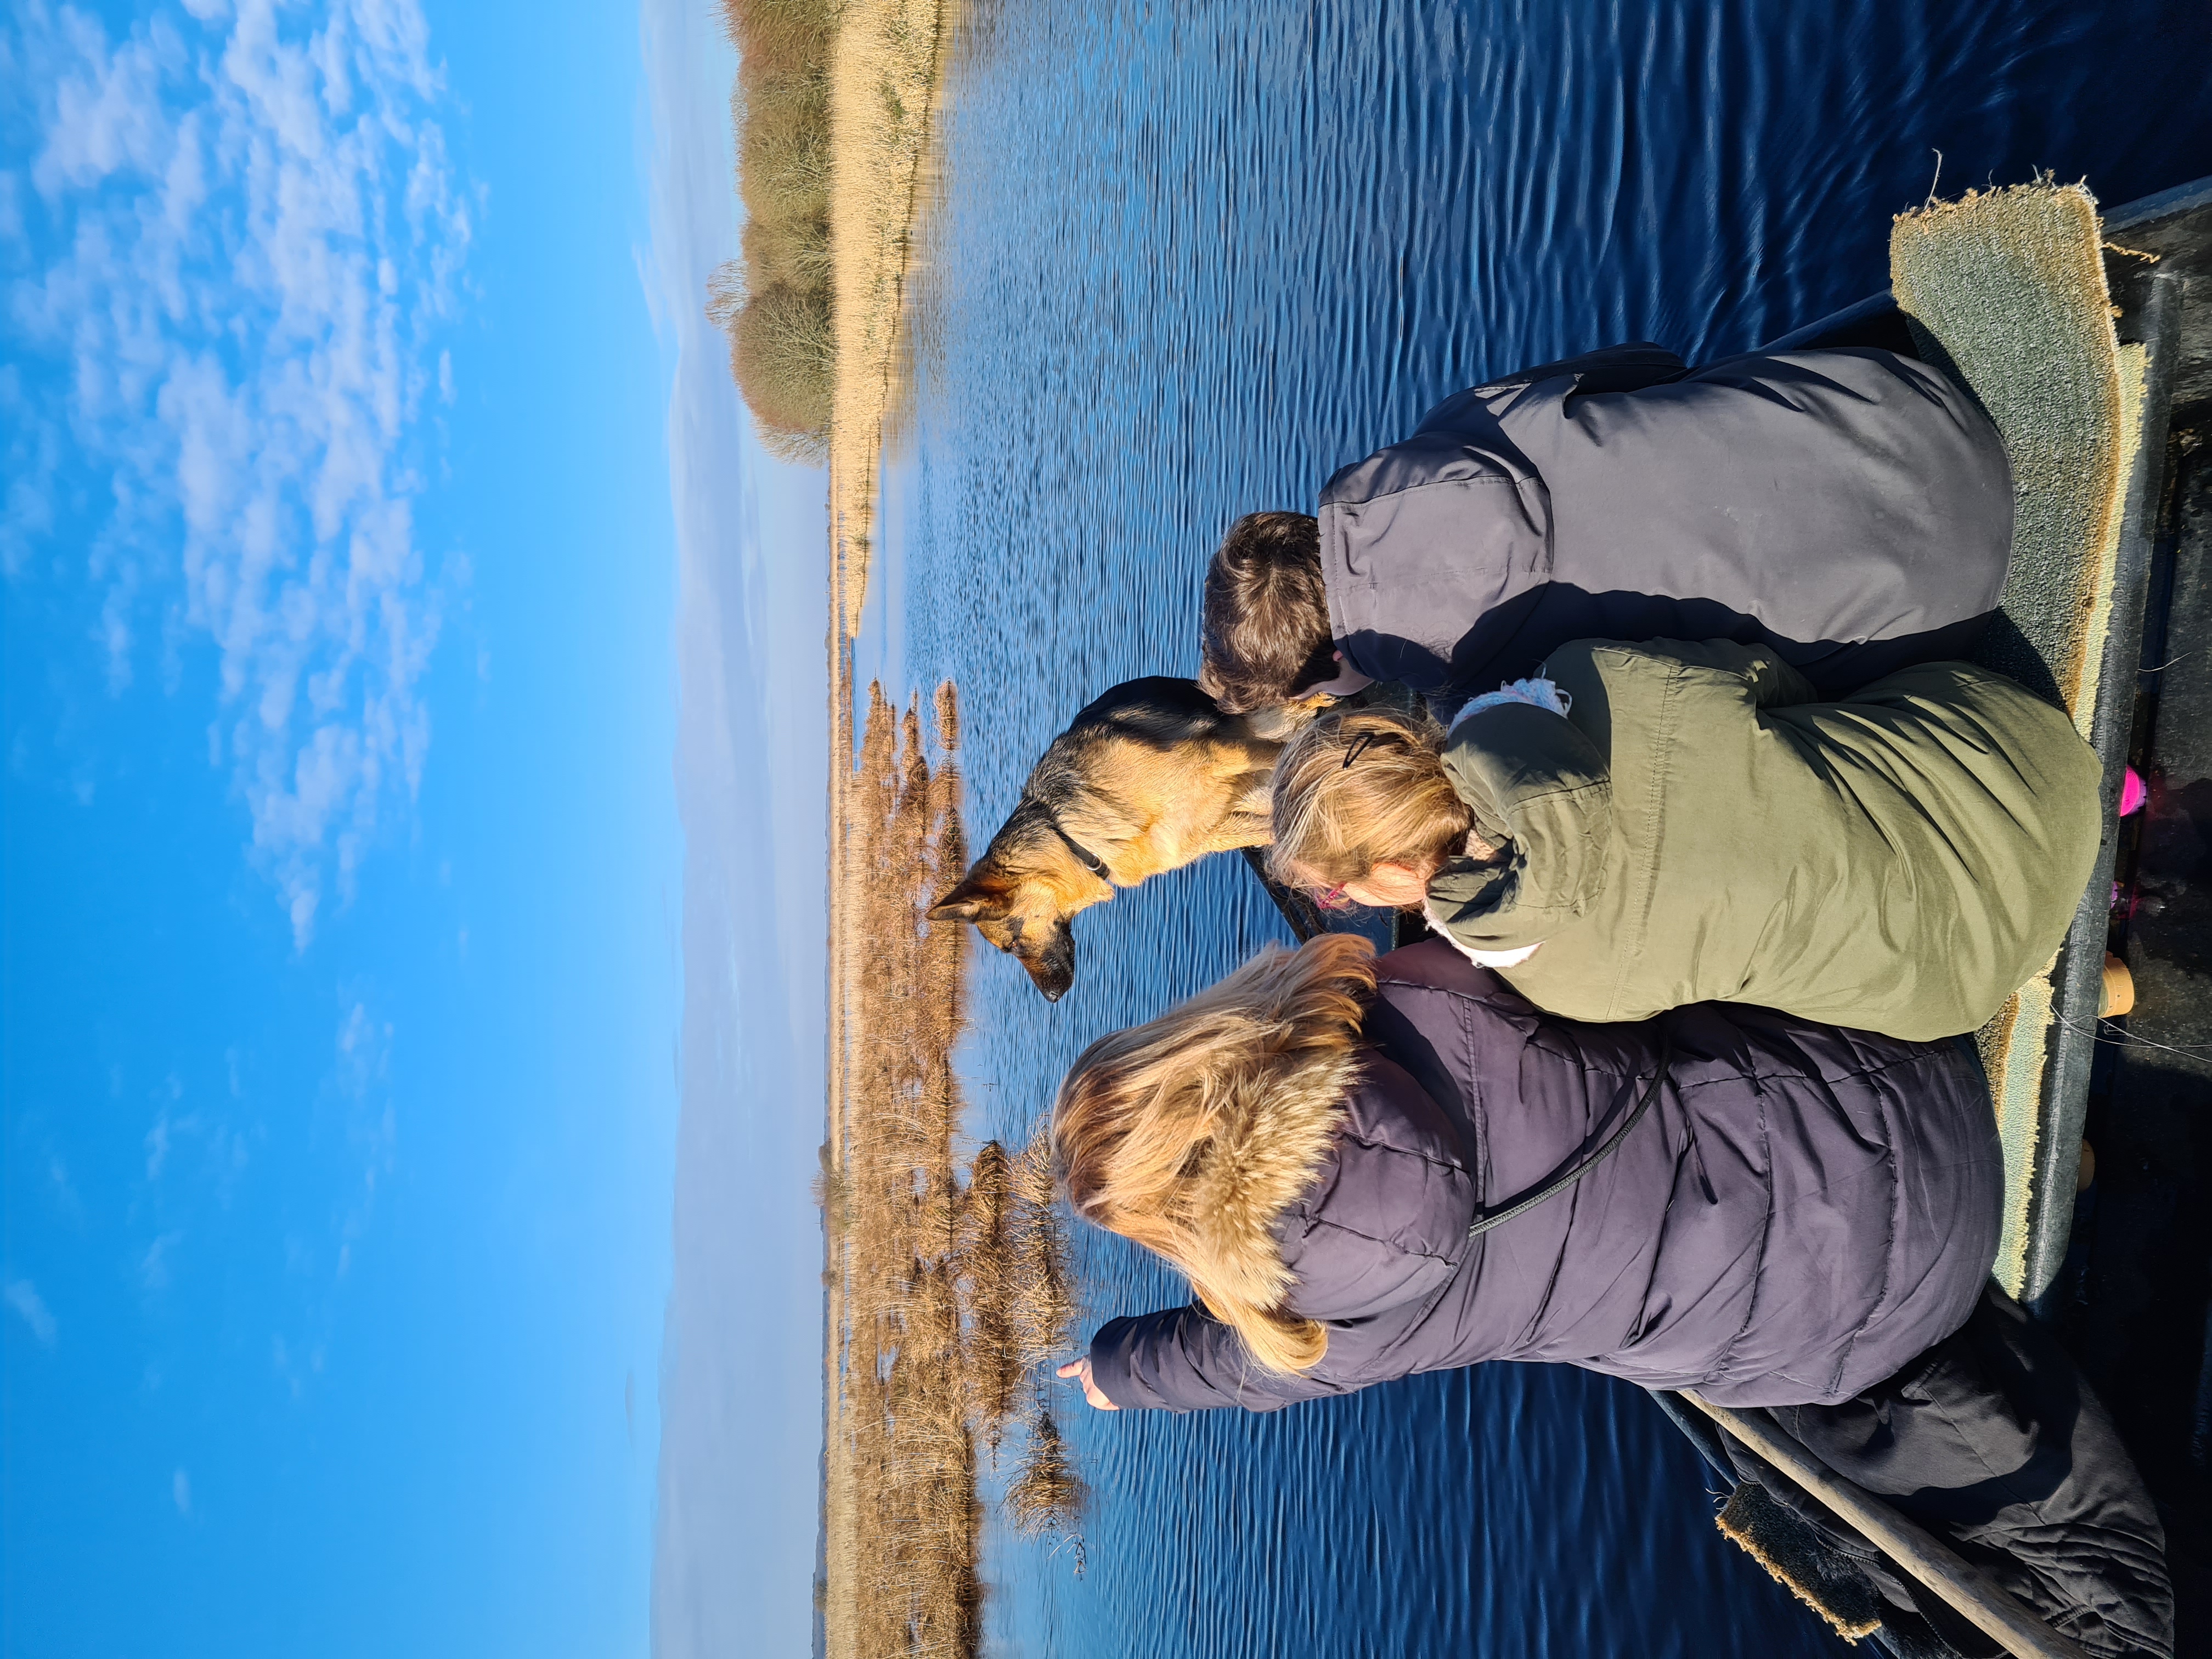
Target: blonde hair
[(1191, 1134), (1361, 788)]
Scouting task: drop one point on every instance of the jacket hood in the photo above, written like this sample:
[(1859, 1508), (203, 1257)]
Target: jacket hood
[(1445, 526), (1821, 501), (1342, 1191), (1384, 1222), (1270, 1140), (1454, 526), (1542, 792)]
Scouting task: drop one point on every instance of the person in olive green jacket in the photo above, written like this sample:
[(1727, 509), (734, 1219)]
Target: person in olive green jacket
[(1645, 826)]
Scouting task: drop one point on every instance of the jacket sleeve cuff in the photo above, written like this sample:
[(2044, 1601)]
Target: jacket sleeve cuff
[(1183, 1359), (1109, 1367)]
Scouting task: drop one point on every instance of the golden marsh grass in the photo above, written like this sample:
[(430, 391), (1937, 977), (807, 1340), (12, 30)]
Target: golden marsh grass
[(834, 111), (948, 1285)]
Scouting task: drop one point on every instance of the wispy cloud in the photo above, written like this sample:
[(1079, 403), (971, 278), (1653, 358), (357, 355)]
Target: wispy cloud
[(23, 1296), (157, 1147), (357, 1121), (235, 242), (180, 1491), (364, 1048), (154, 1270), (35, 1147), (61, 1189)]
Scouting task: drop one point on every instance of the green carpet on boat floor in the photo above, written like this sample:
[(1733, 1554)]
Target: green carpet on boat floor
[(2005, 290)]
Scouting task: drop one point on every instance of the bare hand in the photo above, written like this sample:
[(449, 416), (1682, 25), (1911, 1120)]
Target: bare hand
[(1080, 1369)]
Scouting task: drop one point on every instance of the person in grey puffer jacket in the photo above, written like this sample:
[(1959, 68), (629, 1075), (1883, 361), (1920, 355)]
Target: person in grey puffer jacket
[(1851, 509), (1369, 1168)]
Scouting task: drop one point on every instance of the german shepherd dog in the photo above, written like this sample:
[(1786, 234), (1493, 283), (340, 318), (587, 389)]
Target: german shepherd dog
[(1150, 777)]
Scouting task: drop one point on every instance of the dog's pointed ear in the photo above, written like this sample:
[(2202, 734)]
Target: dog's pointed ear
[(971, 901)]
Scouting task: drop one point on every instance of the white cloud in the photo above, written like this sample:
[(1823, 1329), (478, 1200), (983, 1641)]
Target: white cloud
[(23, 1296), (219, 1153), (33, 1146), (180, 1489), (61, 1189), (247, 236), (357, 1125), (364, 1048)]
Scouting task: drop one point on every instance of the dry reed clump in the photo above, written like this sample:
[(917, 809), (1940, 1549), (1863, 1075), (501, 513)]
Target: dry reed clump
[(948, 718), (1045, 1494), (985, 1257), (774, 303), (1041, 1304), (948, 1286), (831, 1195)]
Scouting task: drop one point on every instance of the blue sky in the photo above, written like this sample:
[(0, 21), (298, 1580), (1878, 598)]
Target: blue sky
[(412, 843)]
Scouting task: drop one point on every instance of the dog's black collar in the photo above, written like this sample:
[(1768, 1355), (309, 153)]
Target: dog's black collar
[(1089, 859)]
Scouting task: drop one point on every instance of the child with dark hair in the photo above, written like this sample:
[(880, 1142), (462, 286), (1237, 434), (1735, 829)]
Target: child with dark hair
[(1851, 509), (1265, 617)]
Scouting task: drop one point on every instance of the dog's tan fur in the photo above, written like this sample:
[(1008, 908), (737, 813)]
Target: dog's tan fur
[(1150, 777)]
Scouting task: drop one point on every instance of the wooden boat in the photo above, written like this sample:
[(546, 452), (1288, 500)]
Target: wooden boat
[(2120, 1055)]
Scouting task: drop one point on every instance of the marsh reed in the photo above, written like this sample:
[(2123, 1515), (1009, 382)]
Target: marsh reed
[(885, 77), (949, 1283)]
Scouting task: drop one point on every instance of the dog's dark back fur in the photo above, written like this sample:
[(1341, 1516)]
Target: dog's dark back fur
[(1159, 711)]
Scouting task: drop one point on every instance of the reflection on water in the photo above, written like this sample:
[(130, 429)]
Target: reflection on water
[(1187, 261)]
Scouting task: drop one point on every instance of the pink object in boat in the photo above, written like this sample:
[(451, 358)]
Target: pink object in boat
[(2133, 793)]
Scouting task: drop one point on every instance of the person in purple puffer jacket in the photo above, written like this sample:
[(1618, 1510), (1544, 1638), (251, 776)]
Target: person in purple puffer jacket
[(1797, 1210), (1368, 1168)]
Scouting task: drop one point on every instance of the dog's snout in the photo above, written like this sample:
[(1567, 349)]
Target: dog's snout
[(1053, 969)]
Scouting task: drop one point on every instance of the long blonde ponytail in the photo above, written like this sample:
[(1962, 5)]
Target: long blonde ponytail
[(1191, 1134)]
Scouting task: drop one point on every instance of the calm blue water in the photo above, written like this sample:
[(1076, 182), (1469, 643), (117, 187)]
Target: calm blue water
[(1188, 259)]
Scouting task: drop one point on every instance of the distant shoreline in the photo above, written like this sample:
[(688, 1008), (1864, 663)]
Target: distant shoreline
[(873, 175)]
